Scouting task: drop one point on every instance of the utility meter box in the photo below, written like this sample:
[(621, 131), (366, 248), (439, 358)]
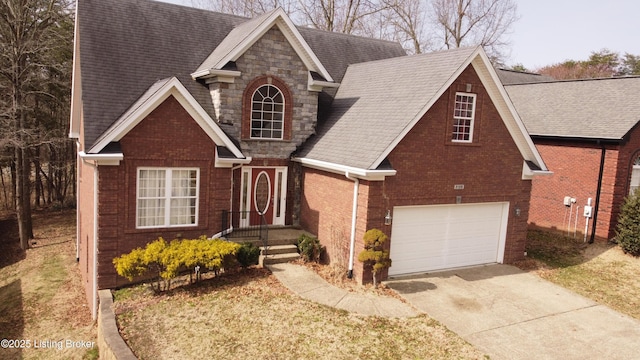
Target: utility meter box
[(587, 211), (567, 201)]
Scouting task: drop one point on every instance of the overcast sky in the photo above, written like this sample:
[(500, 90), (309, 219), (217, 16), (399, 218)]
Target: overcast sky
[(552, 31)]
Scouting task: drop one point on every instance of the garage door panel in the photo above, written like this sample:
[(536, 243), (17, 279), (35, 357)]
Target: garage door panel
[(426, 238)]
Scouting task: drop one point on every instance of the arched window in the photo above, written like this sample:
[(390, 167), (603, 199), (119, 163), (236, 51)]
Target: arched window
[(635, 176), (267, 113)]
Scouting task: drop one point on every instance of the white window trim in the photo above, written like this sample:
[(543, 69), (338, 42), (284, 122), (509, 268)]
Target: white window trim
[(251, 115), (634, 168), (473, 116), (167, 197)]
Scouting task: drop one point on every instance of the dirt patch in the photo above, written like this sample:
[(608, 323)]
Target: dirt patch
[(41, 296)]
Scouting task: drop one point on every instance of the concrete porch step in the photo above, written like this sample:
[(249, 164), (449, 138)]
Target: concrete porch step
[(277, 258), (279, 249)]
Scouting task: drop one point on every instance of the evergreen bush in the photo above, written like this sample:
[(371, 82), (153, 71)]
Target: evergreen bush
[(628, 228), (374, 255), (309, 248), (248, 254), (166, 260)]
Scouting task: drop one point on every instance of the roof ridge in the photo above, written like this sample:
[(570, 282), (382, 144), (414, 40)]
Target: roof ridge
[(561, 81)]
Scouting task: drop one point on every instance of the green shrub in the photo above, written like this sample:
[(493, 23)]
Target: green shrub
[(628, 228), (166, 260), (374, 256), (309, 248), (248, 254)]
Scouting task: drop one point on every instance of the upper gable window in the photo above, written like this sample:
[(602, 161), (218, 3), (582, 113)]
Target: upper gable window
[(463, 117), (267, 113)]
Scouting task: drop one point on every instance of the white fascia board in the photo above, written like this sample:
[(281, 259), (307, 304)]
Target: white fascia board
[(364, 174), (528, 173), (318, 85), (172, 87), (424, 110), (215, 75), (102, 159), (301, 46), (76, 86), (507, 111), (228, 163)]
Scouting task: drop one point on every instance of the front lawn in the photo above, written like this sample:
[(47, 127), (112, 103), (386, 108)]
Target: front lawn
[(599, 271), (251, 315)]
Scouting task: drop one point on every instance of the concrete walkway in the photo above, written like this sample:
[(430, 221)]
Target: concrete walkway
[(510, 314), (311, 286)]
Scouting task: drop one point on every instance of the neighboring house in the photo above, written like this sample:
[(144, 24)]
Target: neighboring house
[(587, 132), (181, 114)]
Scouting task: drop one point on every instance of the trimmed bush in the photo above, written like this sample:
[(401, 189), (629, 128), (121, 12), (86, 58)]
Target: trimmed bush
[(166, 260), (309, 248), (628, 228), (374, 256), (248, 254)]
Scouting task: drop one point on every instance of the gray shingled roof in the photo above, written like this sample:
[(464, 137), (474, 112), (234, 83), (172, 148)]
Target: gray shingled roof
[(128, 45), (596, 108), (510, 77), (376, 102)]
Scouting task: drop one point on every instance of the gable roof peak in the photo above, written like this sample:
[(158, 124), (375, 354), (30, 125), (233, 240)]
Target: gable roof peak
[(243, 36)]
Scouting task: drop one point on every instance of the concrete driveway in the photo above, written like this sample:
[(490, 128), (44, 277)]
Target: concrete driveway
[(510, 314)]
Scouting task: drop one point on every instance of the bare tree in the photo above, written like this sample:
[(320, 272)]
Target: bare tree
[(474, 22), (408, 22), (247, 8), (345, 16), (30, 31)]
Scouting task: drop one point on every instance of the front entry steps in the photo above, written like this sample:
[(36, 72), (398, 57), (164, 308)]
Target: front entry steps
[(278, 254), (282, 245)]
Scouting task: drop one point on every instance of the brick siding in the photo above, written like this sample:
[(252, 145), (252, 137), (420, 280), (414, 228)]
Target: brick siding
[(428, 166), (168, 137)]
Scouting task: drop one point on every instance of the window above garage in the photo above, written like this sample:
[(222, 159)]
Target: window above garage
[(463, 117)]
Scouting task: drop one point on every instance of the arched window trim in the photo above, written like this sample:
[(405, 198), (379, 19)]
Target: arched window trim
[(267, 113), (247, 98)]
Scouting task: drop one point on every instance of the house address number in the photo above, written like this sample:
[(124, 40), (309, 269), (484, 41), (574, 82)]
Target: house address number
[(458, 187)]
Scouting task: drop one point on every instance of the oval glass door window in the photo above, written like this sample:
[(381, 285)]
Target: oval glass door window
[(262, 193)]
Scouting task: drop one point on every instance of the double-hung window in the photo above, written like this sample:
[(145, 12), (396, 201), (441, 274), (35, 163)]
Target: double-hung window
[(463, 117), (167, 197)]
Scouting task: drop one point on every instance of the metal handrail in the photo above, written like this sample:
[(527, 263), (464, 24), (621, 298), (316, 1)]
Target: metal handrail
[(237, 224)]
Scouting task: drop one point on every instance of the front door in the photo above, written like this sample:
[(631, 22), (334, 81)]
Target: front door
[(263, 193)]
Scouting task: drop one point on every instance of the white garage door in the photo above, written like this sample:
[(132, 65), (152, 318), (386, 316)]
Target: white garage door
[(436, 237)]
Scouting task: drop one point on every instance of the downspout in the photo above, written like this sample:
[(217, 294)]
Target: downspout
[(94, 310), (598, 191), (354, 213), (78, 160)]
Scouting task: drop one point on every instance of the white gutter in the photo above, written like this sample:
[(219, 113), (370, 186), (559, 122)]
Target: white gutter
[(372, 175), (102, 159), (354, 217)]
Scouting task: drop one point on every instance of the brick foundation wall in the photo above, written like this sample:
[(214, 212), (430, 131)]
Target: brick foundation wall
[(168, 137)]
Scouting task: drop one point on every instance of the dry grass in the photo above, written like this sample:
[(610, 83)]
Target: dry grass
[(250, 314), (601, 272), (41, 294)]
